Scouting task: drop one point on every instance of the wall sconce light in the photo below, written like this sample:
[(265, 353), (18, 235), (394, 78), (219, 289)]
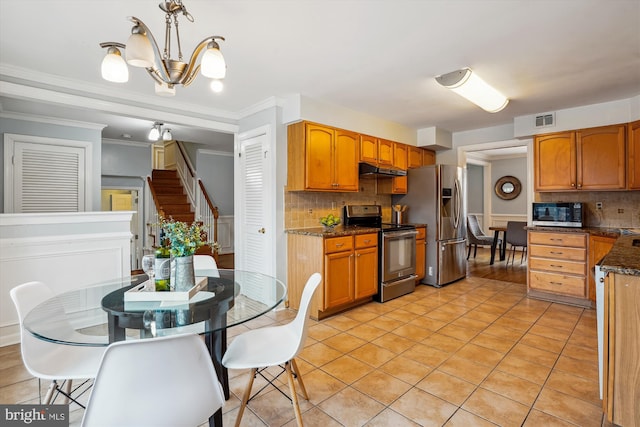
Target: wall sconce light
[(467, 84)]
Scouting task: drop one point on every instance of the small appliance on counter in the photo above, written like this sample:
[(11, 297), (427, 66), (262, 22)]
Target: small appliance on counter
[(567, 214)]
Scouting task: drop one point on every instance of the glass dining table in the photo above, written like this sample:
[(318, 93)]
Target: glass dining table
[(100, 314)]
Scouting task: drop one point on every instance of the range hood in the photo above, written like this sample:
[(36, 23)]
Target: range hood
[(367, 169)]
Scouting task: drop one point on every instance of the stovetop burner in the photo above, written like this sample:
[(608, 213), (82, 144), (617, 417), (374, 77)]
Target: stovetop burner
[(391, 227), (369, 216)]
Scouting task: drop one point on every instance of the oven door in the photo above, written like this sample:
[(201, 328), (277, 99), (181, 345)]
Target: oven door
[(398, 256)]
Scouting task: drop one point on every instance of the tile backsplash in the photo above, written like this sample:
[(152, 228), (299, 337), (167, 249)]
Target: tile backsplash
[(303, 209), (620, 209)]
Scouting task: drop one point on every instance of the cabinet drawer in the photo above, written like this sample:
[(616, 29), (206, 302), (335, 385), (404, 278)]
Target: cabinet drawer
[(366, 240), (338, 244), (557, 265), (578, 240), (557, 283), (558, 252), (422, 233)]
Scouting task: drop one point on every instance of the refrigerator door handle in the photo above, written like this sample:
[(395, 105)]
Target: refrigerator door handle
[(453, 242), (456, 219)]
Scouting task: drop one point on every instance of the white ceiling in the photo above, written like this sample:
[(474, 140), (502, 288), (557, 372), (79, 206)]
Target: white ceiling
[(378, 57)]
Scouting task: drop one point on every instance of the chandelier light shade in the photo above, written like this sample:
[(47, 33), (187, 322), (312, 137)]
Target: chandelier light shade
[(113, 68), (154, 133), (166, 135), (469, 85), (142, 50)]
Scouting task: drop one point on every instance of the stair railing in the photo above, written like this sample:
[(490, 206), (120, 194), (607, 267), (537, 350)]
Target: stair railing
[(206, 211), (153, 217)]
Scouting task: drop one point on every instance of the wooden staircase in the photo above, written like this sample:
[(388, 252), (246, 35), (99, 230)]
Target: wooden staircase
[(172, 200)]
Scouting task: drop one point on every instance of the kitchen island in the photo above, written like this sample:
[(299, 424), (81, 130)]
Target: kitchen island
[(621, 338)]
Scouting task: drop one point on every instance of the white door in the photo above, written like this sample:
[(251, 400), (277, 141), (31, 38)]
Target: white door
[(256, 210)]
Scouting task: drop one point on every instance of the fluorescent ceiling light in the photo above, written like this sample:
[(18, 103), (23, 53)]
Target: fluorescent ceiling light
[(468, 85)]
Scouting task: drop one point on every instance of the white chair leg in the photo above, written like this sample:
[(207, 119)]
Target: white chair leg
[(49, 396), (67, 390), (245, 397), (294, 395), (299, 377)]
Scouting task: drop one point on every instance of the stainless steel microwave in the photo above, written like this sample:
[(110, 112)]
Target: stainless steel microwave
[(558, 214)]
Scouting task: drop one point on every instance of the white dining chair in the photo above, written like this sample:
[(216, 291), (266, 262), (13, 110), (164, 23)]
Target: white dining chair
[(167, 381), (205, 265), (59, 363), (261, 348)]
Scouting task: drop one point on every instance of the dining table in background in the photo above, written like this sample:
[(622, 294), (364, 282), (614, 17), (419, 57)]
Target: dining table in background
[(229, 298), (503, 246)]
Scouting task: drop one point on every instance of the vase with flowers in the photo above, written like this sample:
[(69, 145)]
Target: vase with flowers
[(183, 241)]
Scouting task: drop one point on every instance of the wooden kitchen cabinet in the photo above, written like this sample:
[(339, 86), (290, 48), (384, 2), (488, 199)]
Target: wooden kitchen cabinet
[(385, 152), (321, 158), (621, 355), (349, 268), (421, 252), (599, 246), (428, 158), (369, 149), (414, 157), (587, 159), (633, 158), (400, 153), (366, 265), (557, 267)]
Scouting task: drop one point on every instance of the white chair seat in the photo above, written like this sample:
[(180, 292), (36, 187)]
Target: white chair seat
[(274, 346), (49, 360), (168, 381)]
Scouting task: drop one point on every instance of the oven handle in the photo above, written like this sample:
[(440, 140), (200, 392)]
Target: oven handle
[(396, 234)]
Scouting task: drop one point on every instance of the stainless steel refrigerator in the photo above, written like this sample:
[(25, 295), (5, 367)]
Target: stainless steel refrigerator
[(436, 197)]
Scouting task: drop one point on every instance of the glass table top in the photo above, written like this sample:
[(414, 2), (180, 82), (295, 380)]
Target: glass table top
[(81, 316)]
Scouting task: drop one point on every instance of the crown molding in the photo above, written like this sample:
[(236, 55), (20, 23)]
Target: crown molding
[(270, 102), (127, 142), (52, 120)]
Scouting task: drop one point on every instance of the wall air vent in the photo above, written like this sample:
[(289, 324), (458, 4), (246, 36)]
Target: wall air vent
[(547, 119)]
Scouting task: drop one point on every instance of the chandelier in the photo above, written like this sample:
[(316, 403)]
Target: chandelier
[(142, 50)]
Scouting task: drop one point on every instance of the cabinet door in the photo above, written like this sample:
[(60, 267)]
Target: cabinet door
[(400, 152), (400, 185), (554, 161), (414, 158), (369, 149), (601, 158), (346, 160), (633, 159), (338, 272), (319, 157), (428, 158), (385, 152), (366, 272)]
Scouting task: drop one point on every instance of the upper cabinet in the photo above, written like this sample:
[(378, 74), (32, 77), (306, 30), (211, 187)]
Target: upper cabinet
[(587, 159), (369, 149), (633, 160), (321, 158), (385, 152), (400, 152)]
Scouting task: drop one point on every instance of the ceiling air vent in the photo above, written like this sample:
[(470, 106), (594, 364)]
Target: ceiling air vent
[(545, 120)]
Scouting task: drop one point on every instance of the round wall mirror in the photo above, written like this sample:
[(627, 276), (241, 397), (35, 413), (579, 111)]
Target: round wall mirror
[(508, 187)]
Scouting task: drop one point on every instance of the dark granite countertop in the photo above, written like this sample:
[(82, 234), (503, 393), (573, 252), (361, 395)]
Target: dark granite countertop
[(595, 231), (624, 257), (336, 232)]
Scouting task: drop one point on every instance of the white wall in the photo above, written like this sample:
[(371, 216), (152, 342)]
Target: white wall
[(64, 250)]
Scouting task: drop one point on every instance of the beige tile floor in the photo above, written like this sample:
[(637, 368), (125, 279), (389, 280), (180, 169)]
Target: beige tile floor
[(475, 353)]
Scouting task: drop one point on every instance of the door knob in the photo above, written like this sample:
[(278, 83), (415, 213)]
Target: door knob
[(261, 230)]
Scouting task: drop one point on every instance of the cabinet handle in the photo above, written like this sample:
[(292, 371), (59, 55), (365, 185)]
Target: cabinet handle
[(367, 241), (556, 240), (339, 245), (358, 255), (555, 253), (573, 184), (556, 266), (556, 283)]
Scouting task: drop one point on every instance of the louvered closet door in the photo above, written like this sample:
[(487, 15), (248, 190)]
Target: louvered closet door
[(48, 178)]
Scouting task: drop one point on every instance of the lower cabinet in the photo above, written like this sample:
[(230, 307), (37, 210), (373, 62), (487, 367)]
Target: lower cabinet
[(349, 268), (621, 355), (557, 267), (421, 252)]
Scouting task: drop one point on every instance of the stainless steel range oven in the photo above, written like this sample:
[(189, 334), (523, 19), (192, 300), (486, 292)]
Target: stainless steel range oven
[(396, 250)]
